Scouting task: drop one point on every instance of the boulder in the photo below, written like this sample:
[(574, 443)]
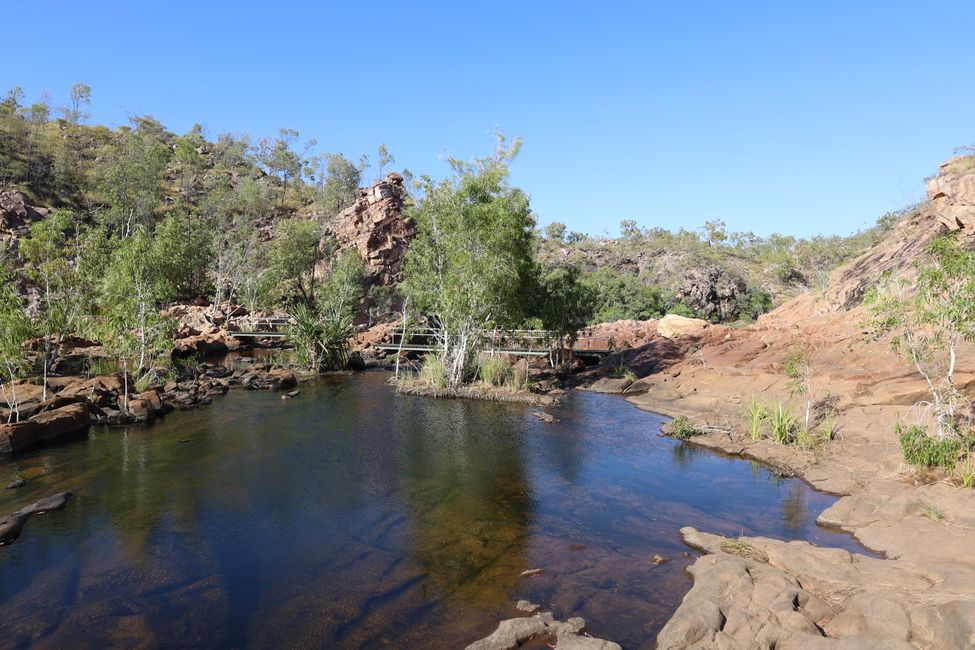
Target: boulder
[(16, 436), (141, 410), (56, 423), (672, 326)]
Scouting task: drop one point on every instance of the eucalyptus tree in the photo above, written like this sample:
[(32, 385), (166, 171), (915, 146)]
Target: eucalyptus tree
[(129, 178), (280, 160), (15, 329), (470, 265), (291, 258), (340, 179), (62, 287), (80, 97), (565, 306), (929, 318), (130, 326), (383, 160)]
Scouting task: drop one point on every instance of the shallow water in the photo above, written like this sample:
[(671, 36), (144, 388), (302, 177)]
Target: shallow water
[(354, 517)]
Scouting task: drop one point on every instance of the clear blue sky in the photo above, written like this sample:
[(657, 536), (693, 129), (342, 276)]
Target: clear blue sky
[(797, 117)]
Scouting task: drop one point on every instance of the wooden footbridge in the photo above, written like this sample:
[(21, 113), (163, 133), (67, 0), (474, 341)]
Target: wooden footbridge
[(520, 343), (260, 328)]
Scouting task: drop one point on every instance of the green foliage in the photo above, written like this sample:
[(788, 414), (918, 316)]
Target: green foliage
[(493, 370), (683, 429), (15, 328), (564, 305), (321, 332), (922, 450), (470, 265), (783, 423), (933, 513), (433, 372), (338, 180), (181, 245), (619, 296), (966, 472), (129, 180), (757, 414), (928, 319), (291, 259)]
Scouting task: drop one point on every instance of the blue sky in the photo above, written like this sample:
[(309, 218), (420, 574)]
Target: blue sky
[(796, 117)]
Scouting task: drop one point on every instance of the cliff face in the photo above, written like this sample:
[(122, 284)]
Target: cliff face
[(374, 226)]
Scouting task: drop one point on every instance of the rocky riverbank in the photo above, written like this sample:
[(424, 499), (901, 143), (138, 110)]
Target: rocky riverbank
[(757, 592), (74, 403)]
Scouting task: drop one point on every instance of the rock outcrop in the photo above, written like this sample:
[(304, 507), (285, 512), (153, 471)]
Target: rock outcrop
[(16, 216), (713, 292), (54, 419), (374, 226)]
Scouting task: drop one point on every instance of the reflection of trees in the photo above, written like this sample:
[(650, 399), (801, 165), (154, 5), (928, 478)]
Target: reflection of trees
[(794, 513), (685, 454), (468, 498)]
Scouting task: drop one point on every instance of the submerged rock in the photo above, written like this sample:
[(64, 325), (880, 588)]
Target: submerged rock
[(19, 483), (13, 524)]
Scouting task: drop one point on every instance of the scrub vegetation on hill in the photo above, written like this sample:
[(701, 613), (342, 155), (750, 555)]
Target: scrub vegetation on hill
[(137, 218)]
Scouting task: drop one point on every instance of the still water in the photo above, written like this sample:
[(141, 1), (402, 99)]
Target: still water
[(354, 517)]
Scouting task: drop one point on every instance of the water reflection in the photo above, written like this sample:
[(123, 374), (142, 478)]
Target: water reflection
[(353, 517), (469, 503)]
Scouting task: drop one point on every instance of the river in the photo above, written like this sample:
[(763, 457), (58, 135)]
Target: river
[(351, 516)]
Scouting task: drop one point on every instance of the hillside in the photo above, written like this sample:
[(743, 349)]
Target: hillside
[(710, 273)]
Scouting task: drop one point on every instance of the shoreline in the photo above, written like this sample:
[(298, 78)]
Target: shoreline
[(918, 592)]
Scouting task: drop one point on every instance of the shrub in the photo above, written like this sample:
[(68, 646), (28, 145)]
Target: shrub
[(784, 424), (966, 473), (433, 372), (827, 429), (922, 450), (520, 379), (683, 429), (493, 370), (756, 414)]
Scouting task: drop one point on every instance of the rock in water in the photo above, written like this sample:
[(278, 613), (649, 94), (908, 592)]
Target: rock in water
[(47, 504), (13, 524), (513, 632), (544, 417)]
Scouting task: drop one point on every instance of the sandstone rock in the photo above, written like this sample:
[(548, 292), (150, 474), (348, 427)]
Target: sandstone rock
[(374, 226), (513, 632), (672, 326), (610, 385), (141, 409), (13, 524), (56, 423), (47, 504)]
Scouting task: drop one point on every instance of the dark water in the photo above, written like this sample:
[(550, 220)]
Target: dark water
[(354, 517)]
